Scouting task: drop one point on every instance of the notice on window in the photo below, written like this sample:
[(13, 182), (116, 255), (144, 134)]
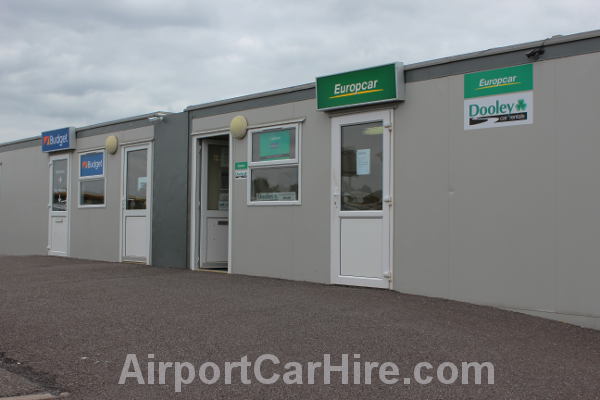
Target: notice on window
[(275, 145), (142, 181), (363, 162), (276, 196)]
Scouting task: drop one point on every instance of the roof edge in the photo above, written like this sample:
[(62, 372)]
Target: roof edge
[(123, 120), (554, 40)]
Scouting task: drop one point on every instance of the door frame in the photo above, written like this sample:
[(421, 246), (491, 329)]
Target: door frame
[(337, 122), (195, 213), (64, 156), (125, 148)]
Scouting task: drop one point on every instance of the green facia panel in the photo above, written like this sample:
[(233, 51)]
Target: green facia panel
[(371, 85), (499, 81)]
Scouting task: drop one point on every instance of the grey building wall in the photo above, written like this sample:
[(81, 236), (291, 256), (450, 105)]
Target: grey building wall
[(95, 232), (170, 192), (290, 242), (24, 198), (503, 216)]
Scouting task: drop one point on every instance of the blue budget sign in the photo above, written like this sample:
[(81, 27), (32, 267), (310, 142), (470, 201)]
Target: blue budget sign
[(58, 139), (91, 164)]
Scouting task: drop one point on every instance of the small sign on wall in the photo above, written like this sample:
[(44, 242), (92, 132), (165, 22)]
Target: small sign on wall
[(241, 170), (500, 97)]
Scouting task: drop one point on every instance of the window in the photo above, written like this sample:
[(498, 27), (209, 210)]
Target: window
[(91, 179), (274, 165)]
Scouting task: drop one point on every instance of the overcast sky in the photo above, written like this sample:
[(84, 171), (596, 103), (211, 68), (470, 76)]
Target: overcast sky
[(76, 63)]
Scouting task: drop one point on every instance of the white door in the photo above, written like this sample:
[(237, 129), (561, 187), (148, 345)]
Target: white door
[(136, 204), (58, 206), (214, 203), (361, 200)]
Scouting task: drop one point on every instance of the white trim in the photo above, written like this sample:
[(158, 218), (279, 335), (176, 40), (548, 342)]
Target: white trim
[(90, 149), (292, 162), (136, 142), (385, 214), (125, 148), (230, 207), (91, 178), (393, 198), (195, 215), (212, 133), (51, 213), (194, 202)]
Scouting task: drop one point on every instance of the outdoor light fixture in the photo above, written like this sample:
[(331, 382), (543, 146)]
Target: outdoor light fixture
[(155, 119), (238, 127), (111, 144), (536, 53)]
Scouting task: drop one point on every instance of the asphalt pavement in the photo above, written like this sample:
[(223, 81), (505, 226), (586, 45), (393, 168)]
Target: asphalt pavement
[(70, 325)]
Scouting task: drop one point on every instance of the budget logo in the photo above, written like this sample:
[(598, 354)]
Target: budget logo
[(92, 164), (59, 139)]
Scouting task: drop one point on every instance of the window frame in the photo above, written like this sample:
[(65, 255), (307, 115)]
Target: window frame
[(273, 164), (82, 179)]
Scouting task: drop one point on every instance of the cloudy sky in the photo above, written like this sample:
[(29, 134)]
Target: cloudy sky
[(76, 63)]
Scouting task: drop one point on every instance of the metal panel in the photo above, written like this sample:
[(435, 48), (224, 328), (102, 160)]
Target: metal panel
[(24, 201), (170, 192)]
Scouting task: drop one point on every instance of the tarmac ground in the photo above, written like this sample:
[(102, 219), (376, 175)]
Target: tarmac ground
[(68, 325)]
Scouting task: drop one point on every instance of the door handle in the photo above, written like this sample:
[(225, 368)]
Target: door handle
[(336, 198)]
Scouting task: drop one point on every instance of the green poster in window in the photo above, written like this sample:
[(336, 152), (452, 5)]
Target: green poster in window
[(275, 145)]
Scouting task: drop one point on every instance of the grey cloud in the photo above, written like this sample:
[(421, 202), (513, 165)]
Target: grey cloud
[(72, 62)]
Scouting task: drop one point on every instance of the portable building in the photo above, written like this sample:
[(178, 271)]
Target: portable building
[(473, 178)]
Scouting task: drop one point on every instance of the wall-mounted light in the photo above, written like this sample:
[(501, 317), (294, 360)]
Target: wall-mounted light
[(155, 119), (238, 127), (112, 144)]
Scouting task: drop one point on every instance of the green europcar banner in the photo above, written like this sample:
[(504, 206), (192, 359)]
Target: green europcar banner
[(498, 98), (370, 85), (499, 81)]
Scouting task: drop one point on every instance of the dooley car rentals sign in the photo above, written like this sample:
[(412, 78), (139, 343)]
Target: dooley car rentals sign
[(500, 97)]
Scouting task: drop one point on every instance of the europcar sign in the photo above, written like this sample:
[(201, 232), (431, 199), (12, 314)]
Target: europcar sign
[(58, 139), (365, 86), (500, 97)]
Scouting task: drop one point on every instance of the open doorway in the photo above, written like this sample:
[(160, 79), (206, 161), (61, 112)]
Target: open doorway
[(212, 194)]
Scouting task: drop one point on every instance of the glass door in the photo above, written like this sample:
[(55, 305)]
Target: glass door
[(214, 204), (361, 199), (136, 204), (58, 227)]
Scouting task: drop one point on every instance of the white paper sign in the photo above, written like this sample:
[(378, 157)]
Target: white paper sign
[(141, 183), (363, 162)]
